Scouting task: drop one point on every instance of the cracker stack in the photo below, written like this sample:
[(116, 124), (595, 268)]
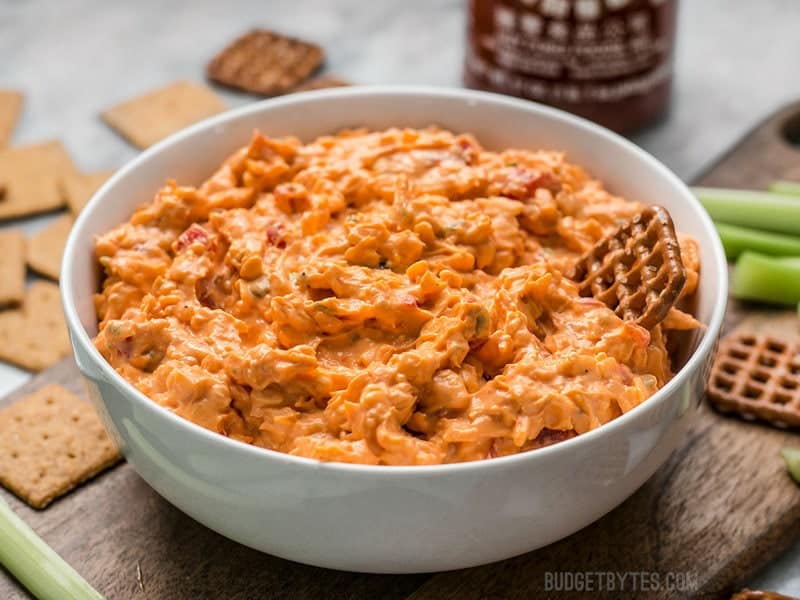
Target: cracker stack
[(51, 440)]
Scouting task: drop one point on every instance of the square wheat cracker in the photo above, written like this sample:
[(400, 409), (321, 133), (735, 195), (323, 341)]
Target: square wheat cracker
[(265, 62), (35, 336), (46, 247), (12, 267), (150, 118), (31, 176), (51, 441), (10, 109), (79, 188)]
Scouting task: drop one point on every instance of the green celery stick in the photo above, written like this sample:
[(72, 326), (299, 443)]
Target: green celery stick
[(36, 565), (737, 239), (757, 210), (792, 458), (768, 279), (791, 188)]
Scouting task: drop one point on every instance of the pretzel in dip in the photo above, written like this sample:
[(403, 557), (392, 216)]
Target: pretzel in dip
[(393, 297)]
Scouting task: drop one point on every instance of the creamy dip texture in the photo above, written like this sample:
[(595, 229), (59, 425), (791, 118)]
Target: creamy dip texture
[(393, 297)]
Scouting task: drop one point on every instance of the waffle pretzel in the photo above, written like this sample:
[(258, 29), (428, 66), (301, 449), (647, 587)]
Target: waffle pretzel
[(757, 377), (636, 271)]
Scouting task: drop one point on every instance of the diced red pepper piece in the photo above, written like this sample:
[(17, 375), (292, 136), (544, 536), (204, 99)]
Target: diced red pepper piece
[(547, 436), (195, 233), (519, 183), (275, 235)]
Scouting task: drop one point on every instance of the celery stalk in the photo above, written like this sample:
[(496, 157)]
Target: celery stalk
[(36, 565), (792, 458), (774, 280), (790, 188), (758, 210), (737, 239)]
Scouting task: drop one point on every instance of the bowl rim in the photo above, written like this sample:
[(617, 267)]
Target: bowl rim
[(81, 340)]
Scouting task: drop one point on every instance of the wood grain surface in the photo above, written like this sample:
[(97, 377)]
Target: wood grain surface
[(718, 510)]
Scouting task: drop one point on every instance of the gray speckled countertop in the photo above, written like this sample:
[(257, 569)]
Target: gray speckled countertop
[(737, 61)]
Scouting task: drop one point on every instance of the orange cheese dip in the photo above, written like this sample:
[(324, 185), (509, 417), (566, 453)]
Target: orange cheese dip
[(393, 297)]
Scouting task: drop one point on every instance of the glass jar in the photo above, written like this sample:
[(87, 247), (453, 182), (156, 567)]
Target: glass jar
[(607, 60)]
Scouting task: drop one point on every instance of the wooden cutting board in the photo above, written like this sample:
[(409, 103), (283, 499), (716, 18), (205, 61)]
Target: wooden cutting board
[(720, 509)]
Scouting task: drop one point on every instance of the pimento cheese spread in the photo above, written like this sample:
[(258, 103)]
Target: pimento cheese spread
[(393, 297)]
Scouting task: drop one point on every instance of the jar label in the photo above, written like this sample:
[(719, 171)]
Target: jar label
[(571, 51)]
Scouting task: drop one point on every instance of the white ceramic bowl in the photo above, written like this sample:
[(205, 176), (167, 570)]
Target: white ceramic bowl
[(391, 519)]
